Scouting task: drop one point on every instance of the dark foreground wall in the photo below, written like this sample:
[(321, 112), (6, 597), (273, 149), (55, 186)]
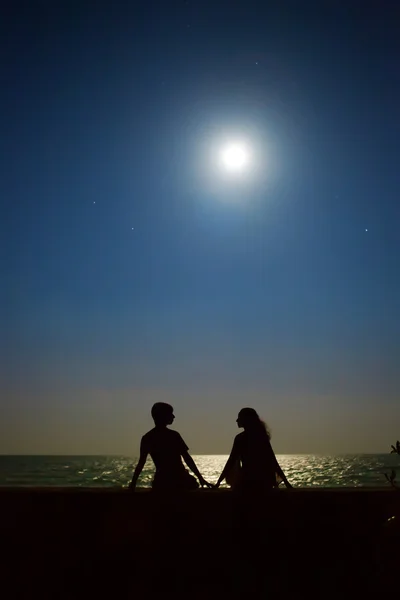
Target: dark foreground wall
[(74, 543)]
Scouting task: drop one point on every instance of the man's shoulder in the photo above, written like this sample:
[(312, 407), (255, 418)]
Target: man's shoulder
[(177, 439), (149, 434), (155, 432), (174, 433)]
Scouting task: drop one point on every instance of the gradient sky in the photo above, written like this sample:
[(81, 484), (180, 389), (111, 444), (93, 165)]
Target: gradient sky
[(280, 291)]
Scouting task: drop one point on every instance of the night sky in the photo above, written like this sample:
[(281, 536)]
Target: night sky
[(134, 269)]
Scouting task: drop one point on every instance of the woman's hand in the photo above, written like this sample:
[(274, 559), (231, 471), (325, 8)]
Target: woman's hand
[(203, 483)]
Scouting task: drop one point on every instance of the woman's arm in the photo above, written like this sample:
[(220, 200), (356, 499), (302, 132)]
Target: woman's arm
[(233, 457), (282, 475), (139, 466), (278, 468)]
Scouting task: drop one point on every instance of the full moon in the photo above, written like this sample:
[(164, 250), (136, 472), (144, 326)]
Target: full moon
[(234, 157)]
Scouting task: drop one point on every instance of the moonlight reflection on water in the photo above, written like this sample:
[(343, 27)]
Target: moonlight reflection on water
[(303, 470)]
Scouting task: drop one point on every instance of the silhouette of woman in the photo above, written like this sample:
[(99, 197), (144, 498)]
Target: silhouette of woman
[(252, 464)]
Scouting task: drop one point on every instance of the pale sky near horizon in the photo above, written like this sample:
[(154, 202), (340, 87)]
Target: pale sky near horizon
[(138, 266), (113, 421)]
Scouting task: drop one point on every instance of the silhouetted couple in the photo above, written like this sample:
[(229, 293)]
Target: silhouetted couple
[(252, 464)]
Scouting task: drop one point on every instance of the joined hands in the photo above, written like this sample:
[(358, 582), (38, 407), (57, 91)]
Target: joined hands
[(204, 483)]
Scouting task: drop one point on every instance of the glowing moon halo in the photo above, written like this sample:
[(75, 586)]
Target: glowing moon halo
[(234, 157)]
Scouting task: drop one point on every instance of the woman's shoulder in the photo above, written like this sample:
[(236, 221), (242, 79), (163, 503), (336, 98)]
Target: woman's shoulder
[(240, 437)]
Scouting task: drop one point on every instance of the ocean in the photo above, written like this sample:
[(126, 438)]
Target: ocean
[(302, 470)]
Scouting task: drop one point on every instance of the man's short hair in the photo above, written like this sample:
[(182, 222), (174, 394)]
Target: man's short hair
[(160, 411)]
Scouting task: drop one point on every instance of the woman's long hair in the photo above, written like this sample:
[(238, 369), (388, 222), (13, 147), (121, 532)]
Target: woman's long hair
[(252, 421)]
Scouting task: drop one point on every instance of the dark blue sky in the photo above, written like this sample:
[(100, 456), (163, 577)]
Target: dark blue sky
[(280, 291)]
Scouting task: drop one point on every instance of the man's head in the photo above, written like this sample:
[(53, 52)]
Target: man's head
[(162, 413)]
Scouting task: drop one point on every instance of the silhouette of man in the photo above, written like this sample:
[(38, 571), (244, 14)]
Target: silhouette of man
[(167, 448)]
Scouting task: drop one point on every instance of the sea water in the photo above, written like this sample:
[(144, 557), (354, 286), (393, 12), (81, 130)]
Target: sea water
[(302, 470)]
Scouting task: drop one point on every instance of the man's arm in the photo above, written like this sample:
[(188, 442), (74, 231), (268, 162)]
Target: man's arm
[(139, 466), (193, 467)]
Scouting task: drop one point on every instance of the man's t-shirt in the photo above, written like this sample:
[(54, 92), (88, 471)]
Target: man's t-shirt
[(165, 447)]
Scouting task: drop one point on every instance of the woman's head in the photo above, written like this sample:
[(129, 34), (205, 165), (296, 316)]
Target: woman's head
[(248, 419)]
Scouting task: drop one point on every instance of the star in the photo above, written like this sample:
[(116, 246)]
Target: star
[(366, 230)]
